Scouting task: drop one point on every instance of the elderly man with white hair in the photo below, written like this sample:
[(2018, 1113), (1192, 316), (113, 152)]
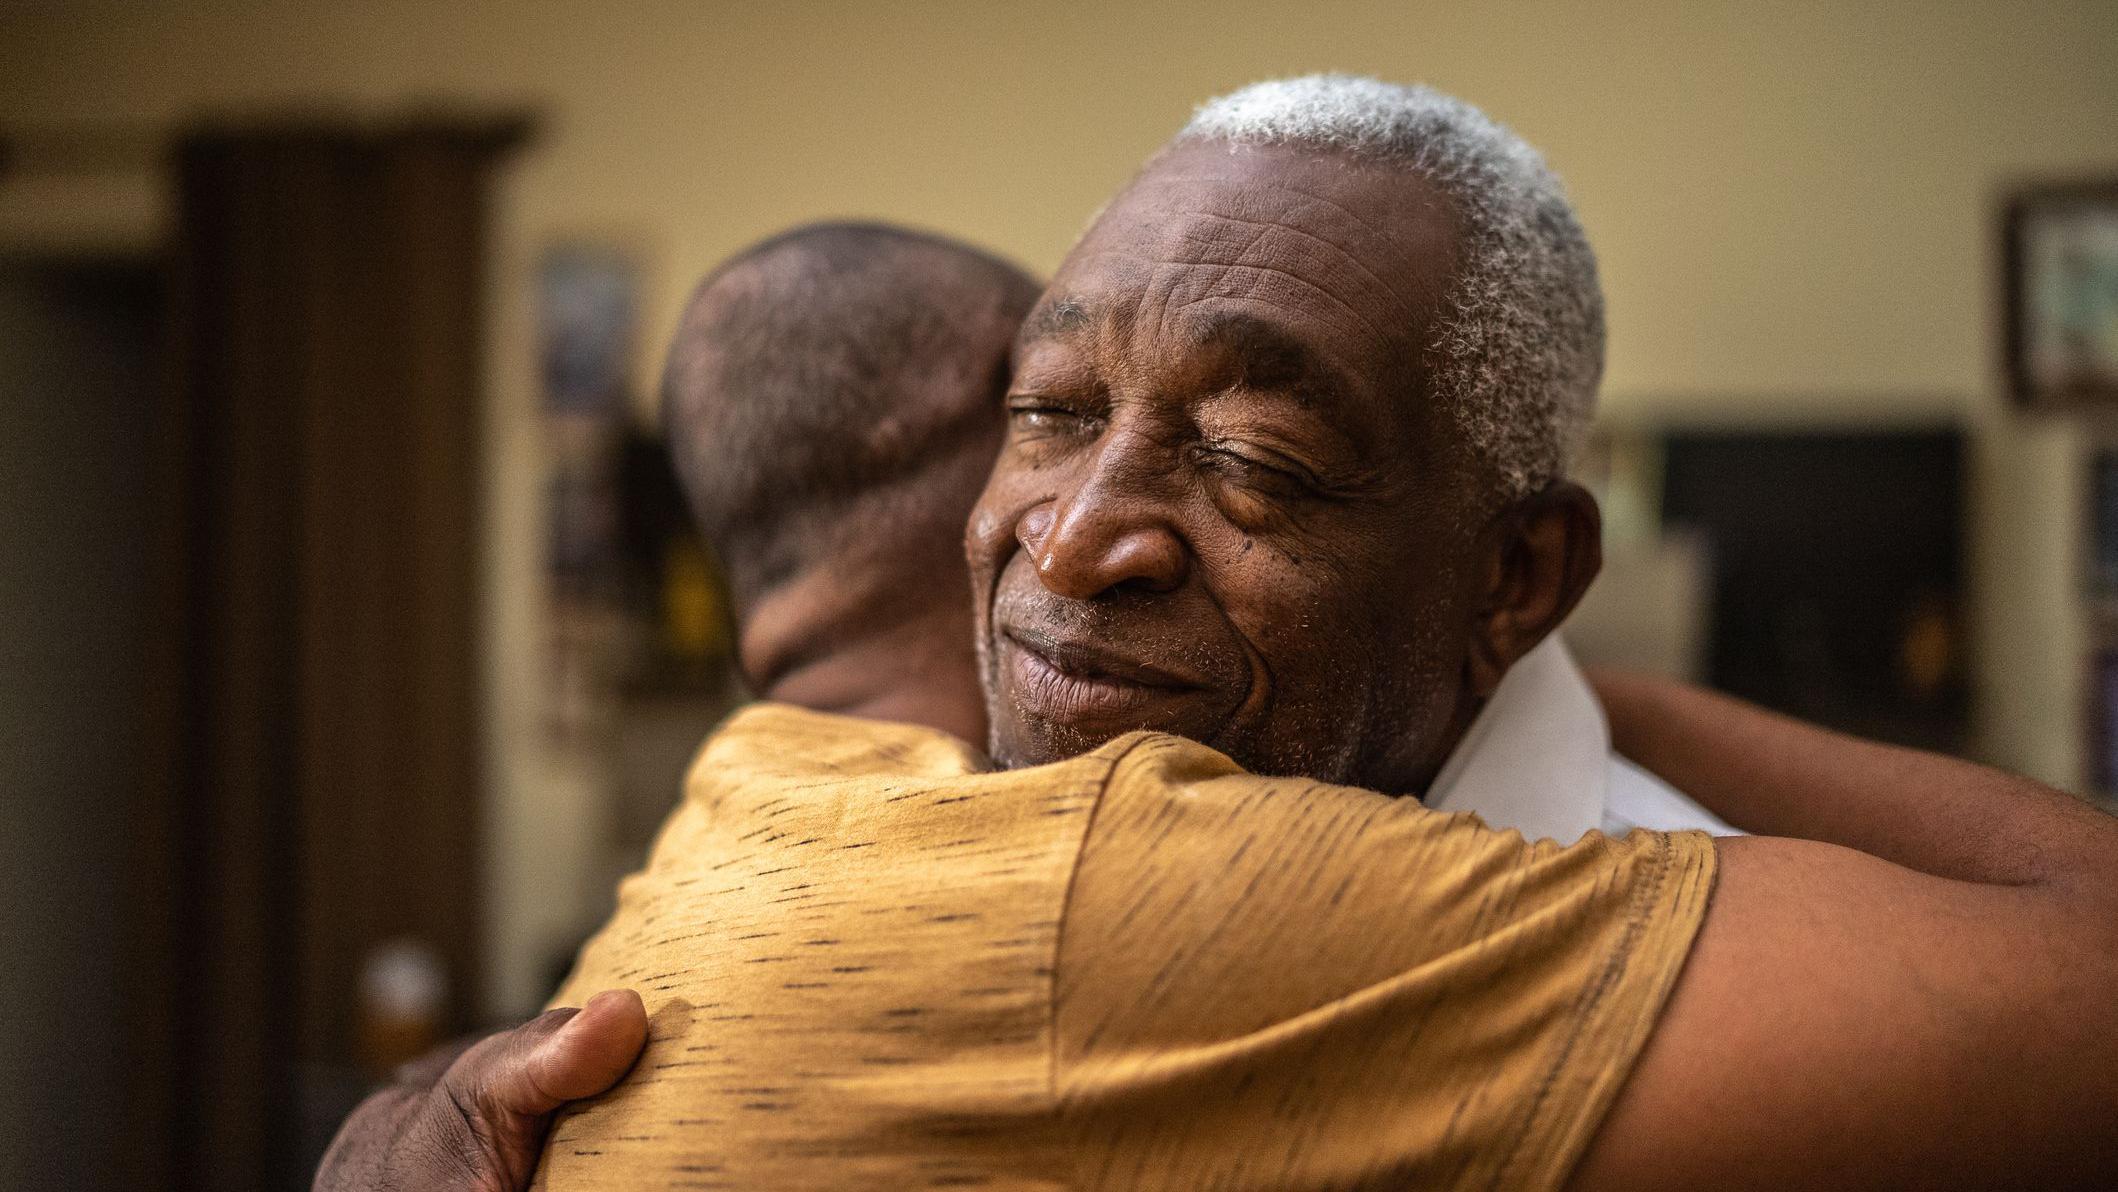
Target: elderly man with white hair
[(1511, 368), (1277, 525)]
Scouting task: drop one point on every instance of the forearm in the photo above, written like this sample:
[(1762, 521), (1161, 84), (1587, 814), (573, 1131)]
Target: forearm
[(1775, 776)]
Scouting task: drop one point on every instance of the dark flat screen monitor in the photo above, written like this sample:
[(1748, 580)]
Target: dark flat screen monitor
[(1836, 574)]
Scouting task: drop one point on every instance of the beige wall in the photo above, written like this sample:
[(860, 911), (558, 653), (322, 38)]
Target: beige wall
[(1792, 202)]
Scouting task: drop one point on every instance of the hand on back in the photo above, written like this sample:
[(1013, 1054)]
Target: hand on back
[(480, 1126)]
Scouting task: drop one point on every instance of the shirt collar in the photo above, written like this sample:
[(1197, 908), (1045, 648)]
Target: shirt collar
[(1537, 757)]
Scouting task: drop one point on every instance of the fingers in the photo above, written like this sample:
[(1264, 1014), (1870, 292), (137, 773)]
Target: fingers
[(586, 1055), (481, 1127), (554, 1058)]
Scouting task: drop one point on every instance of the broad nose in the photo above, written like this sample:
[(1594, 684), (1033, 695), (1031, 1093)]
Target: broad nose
[(1111, 532)]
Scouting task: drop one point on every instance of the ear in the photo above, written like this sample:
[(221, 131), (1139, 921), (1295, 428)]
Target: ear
[(1540, 555)]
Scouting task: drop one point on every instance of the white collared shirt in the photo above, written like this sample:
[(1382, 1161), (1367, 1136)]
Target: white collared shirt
[(1538, 759)]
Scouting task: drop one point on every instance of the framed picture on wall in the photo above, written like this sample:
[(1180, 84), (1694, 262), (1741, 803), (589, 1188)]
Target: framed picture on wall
[(588, 304), (2059, 250)]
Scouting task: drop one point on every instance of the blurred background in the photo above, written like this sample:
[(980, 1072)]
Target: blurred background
[(351, 640)]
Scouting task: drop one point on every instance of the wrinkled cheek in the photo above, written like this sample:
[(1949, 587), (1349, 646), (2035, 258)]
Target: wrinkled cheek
[(988, 537), (1287, 627), (992, 537), (1322, 657), (989, 532)]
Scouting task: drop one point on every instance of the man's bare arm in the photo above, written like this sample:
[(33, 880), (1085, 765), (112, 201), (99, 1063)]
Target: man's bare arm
[(1774, 776), (1915, 985)]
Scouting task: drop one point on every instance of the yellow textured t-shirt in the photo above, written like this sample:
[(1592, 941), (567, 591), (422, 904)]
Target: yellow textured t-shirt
[(871, 964)]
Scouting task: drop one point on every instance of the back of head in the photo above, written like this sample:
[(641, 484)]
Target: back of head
[(1518, 354), (832, 401)]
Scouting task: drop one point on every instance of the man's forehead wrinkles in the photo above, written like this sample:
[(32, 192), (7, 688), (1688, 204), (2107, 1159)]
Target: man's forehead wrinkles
[(1244, 196), (1255, 279), (1351, 215), (1316, 272), (1267, 228), (1153, 287), (1367, 244), (1063, 316)]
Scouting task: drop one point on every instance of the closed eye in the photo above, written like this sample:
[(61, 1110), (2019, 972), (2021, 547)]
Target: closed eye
[(1036, 417), (1249, 465)]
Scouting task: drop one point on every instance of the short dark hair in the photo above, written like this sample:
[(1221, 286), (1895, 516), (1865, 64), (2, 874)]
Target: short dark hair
[(815, 374)]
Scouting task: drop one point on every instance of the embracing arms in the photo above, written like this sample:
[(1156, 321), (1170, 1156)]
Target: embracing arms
[(1909, 978)]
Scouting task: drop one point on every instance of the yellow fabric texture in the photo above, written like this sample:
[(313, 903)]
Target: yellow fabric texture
[(870, 963)]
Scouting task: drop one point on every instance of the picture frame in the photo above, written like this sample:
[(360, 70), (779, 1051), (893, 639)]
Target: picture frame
[(2059, 255), (588, 304), (587, 297)]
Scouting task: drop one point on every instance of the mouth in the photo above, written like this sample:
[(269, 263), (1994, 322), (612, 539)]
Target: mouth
[(1091, 661), (1076, 681)]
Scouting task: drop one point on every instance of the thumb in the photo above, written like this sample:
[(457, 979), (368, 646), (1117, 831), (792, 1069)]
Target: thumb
[(585, 1055), (490, 1110)]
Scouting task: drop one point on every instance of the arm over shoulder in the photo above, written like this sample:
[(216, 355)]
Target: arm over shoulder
[(1912, 981), (1845, 1022)]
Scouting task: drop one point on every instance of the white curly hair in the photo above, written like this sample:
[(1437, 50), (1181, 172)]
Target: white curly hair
[(1518, 352)]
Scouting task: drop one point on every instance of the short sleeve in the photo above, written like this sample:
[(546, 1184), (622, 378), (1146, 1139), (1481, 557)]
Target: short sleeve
[(1270, 983)]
